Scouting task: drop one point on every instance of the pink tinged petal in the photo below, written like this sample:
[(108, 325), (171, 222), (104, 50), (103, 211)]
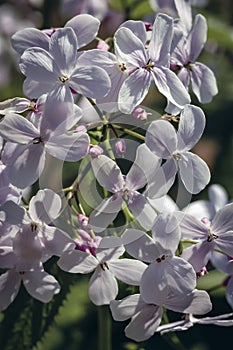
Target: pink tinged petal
[(197, 302), (166, 232), (44, 206), (29, 37), (105, 213), (133, 90), (130, 48), (144, 167), (9, 288), (204, 83), (102, 286), (76, 261), (198, 254), (28, 166), (90, 81), (218, 196), (107, 173), (55, 241), (66, 147), (85, 27), (15, 128), (194, 172), (170, 86), (223, 220), (40, 285), (225, 242), (154, 287), (197, 37), (161, 138), (161, 37), (142, 210), (139, 245), (191, 127), (63, 47), (127, 270), (127, 307), (162, 181), (39, 65), (143, 325)]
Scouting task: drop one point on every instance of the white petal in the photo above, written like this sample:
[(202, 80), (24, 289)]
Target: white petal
[(44, 206), (9, 288), (161, 138), (40, 285), (102, 286), (127, 307), (76, 261), (128, 270), (194, 172)]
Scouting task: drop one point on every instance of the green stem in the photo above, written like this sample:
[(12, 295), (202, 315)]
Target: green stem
[(130, 132), (105, 328)]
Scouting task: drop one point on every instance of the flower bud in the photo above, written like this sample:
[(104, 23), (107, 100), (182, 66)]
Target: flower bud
[(140, 113), (95, 151), (102, 45), (120, 147)]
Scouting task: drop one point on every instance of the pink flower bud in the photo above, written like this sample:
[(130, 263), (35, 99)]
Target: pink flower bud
[(81, 128), (140, 113), (120, 147), (103, 46), (82, 220), (95, 151)]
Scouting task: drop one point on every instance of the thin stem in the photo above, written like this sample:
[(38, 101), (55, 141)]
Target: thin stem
[(105, 328), (130, 132)]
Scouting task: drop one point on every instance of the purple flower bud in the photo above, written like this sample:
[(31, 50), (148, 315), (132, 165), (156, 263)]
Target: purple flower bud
[(120, 147), (95, 151), (49, 31), (140, 113), (81, 128), (82, 220), (148, 26)]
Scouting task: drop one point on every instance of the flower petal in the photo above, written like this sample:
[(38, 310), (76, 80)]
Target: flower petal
[(40, 285), (9, 287), (128, 270), (194, 172), (102, 287), (29, 37), (44, 206), (76, 261), (127, 307)]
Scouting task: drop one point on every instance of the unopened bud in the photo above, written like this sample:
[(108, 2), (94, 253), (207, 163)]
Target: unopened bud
[(102, 45), (95, 151), (120, 147), (82, 220), (140, 113)]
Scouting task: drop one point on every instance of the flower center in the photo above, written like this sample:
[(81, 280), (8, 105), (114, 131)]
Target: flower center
[(37, 140), (176, 156), (162, 258), (64, 78), (149, 66), (211, 237), (104, 265), (122, 67)]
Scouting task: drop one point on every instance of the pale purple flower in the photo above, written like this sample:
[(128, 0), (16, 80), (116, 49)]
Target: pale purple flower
[(107, 267), (146, 317), (85, 27), (59, 69), (96, 8), (146, 64), (218, 197), (166, 273), (25, 152), (39, 284), (125, 188), (165, 142), (191, 72), (217, 235)]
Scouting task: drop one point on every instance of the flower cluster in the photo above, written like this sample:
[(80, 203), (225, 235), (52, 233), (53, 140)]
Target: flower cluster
[(79, 105)]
